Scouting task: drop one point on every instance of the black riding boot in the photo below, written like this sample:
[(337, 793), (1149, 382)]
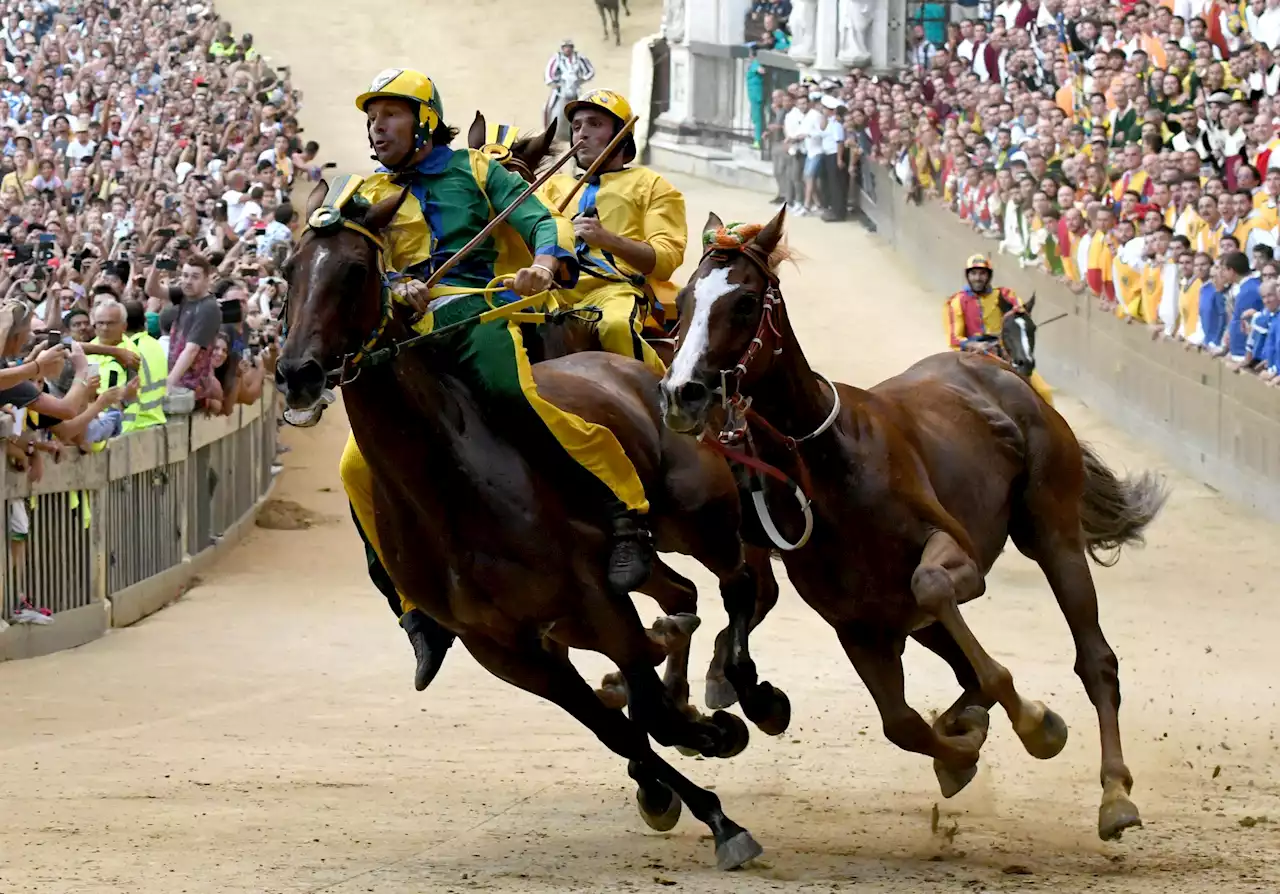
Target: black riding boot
[(631, 552), (430, 643)]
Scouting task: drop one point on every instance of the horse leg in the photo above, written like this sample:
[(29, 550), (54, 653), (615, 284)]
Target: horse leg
[(879, 664), (749, 594), (626, 7), (617, 32), (604, 21), (720, 693), (1058, 549), (610, 626), (673, 634), (936, 639), (539, 672), (947, 576)]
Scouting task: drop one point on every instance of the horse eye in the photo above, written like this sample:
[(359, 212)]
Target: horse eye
[(745, 305)]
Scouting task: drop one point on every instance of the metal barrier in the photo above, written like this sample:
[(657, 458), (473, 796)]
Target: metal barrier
[(107, 524)]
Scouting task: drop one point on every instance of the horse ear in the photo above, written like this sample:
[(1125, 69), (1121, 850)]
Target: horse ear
[(317, 197), (1031, 304), (771, 235), (533, 151), (379, 217), (476, 135), (713, 223)]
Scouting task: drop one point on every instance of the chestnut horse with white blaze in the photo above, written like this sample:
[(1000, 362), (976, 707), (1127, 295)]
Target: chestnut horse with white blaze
[(916, 485)]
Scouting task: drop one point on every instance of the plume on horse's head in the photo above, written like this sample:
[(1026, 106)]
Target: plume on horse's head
[(735, 235)]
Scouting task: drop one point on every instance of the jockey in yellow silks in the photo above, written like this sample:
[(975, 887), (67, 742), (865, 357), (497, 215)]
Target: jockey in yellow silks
[(452, 196), (974, 316), (631, 229)]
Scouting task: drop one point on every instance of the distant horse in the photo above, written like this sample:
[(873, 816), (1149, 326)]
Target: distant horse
[(608, 10), (498, 546), (916, 485), (1016, 344)]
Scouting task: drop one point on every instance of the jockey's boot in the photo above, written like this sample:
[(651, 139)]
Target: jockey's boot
[(430, 643), (630, 552)]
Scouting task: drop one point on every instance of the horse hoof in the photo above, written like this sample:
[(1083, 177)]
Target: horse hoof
[(735, 734), (975, 720), (737, 851), (659, 819), (951, 780), (1115, 816), (720, 694), (778, 715), (688, 752), (1048, 738)]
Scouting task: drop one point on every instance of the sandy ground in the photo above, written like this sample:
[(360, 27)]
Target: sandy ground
[(262, 735)]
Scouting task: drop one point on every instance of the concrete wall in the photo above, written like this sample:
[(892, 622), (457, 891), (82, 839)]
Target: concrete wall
[(1220, 427)]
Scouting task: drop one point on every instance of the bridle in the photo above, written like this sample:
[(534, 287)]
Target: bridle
[(735, 441), (328, 220)]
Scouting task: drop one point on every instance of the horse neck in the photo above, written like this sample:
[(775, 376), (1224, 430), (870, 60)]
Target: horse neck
[(403, 405), (790, 395)]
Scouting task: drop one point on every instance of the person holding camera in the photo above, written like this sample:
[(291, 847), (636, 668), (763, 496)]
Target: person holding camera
[(194, 330)]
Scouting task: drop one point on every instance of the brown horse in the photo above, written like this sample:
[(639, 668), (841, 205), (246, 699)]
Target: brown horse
[(917, 484), (491, 542)]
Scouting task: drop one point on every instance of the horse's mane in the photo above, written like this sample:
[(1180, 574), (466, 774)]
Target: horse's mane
[(736, 235), (520, 147)]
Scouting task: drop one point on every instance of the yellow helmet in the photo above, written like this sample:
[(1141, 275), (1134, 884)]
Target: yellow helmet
[(407, 84), (978, 262), (614, 103)]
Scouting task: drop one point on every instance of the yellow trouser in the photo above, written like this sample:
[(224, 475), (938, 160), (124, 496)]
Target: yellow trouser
[(357, 481), (1041, 387), (624, 310)]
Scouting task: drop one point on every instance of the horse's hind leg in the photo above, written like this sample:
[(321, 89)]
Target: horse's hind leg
[(617, 32), (1052, 538), (947, 576), (541, 673), (604, 19), (879, 664)]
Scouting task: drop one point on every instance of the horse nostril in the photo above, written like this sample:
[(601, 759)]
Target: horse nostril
[(693, 393)]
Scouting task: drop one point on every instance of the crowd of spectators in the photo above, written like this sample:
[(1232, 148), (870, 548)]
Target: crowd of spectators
[(148, 154), (1127, 148)]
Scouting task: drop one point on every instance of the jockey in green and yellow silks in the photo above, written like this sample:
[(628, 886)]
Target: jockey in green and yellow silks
[(974, 316), (630, 225), (454, 194)]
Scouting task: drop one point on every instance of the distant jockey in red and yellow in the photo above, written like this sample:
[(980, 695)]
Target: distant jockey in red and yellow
[(975, 316)]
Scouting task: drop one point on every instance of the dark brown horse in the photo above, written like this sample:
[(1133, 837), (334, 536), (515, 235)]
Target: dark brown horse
[(491, 542), (916, 484)]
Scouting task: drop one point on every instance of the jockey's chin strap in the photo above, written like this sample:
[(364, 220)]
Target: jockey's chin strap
[(741, 417)]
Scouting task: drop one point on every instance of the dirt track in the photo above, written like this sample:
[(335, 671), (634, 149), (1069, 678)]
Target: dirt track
[(263, 735)]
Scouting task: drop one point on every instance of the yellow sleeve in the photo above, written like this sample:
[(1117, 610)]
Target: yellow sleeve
[(408, 238), (953, 319), (665, 229)]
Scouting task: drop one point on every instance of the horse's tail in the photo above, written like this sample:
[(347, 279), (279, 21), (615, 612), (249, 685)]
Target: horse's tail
[(1115, 511)]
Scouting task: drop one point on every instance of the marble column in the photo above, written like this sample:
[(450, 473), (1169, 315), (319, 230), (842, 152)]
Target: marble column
[(827, 36), (733, 21)]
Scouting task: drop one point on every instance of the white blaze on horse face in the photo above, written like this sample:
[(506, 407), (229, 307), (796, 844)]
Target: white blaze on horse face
[(695, 340), (1022, 329)]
